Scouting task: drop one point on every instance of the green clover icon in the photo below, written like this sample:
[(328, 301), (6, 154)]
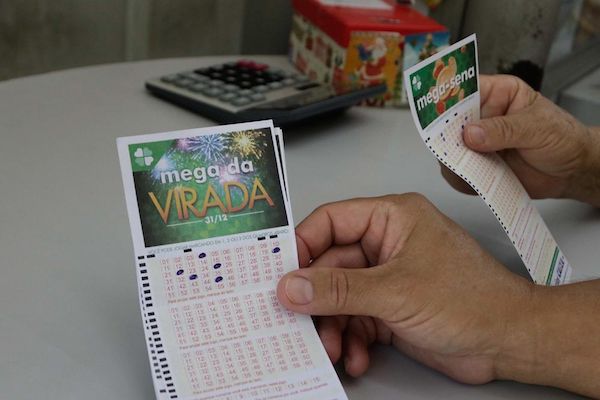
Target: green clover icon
[(143, 157), (416, 82)]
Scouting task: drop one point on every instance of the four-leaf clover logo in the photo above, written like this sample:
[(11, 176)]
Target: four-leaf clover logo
[(143, 157), (416, 82)]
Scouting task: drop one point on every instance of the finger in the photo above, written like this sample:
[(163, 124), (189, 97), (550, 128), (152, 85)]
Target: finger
[(335, 291), (348, 256), (499, 133), (363, 221), (359, 336), (304, 257), (330, 331), (341, 223), (456, 181), (503, 94)]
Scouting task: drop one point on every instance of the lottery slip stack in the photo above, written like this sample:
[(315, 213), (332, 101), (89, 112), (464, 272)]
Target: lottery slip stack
[(443, 93), (212, 232)]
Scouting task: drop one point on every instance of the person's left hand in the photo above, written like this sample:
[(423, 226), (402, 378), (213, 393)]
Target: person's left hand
[(396, 270)]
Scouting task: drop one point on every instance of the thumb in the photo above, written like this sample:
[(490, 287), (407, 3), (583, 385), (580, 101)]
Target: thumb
[(332, 291), (499, 133)]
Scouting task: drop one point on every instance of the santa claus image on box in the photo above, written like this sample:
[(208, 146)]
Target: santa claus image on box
[(373, 58)]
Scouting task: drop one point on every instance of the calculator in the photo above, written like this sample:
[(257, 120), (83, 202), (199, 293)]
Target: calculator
[(246, 90)]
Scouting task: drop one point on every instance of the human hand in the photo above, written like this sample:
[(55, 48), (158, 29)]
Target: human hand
[(552, 153), (397, 271)]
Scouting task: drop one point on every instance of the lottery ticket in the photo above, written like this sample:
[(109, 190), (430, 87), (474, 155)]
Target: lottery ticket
[(443, 93), (212, 233)]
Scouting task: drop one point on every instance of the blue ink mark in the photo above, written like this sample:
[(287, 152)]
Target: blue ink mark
[(201, 255), (193, 276), (218, 279), (276, 250), (179, 272), (217, 266)]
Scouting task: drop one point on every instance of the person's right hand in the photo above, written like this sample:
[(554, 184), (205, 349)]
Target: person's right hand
[(395, 270), (552, 153)]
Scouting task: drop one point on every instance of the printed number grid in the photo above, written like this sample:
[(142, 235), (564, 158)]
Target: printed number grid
[(241, 361), (449, 144), (477, 169), (481, 170), (201, 273), (224, 318), (507, 200)]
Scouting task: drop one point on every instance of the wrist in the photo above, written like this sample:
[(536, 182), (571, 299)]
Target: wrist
[(520, 358), (555, 339)]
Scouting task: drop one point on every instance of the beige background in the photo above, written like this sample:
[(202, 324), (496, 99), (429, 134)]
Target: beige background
[(44, 35)]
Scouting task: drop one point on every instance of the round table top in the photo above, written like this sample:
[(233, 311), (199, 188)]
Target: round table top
[(70, 325)]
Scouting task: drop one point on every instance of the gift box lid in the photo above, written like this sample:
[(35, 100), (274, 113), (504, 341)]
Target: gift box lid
[(339, 18)]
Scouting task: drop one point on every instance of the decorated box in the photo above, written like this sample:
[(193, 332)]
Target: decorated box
[(358, 43)]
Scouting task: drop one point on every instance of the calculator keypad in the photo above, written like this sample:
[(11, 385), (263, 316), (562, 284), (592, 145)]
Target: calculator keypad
[(240, 83)]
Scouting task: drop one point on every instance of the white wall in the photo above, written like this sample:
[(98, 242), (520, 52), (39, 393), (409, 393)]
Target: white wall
[(44, 35)]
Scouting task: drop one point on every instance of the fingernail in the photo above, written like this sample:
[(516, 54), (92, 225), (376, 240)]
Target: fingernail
[(476, 134), (299, 290)]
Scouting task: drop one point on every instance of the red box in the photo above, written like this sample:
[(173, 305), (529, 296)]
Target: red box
[(357, 43)]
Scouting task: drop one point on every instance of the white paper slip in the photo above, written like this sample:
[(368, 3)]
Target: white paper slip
[(443, 93), (213, 233)]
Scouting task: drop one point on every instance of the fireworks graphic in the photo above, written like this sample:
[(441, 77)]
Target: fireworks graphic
[(183, 144), (246, 143), (225, 176), (165, 164), (209, 147)]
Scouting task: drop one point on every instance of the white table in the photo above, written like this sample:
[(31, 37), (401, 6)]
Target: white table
[(70, 327)]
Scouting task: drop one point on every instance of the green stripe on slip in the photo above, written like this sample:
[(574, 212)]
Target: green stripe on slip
[(552, 265)]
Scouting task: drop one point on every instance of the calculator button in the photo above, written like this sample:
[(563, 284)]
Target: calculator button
[(246, 84), (257, 97), (261, 89), (202, 78), (213, 92), (202, 71), (275, 85), (170, 78), (183, 82), (246, 92), (198, 87), (227, 97), (189, 75), (241, 101), (288, 82), (249, 64), (216, 83), (231, 88)]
